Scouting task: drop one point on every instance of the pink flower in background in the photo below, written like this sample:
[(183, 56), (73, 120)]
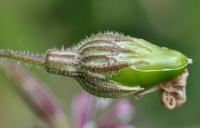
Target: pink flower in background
[(88, 111), (91, 112), (83, 108)]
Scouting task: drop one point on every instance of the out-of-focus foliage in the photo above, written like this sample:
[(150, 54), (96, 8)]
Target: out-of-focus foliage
[(38, 25)]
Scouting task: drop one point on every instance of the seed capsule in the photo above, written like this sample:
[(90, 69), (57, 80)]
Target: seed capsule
[(113, 65)]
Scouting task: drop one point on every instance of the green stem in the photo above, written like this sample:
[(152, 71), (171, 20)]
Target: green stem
[(22, 57)]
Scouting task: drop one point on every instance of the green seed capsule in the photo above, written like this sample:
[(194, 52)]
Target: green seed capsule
[(156, 64), (114, 65)]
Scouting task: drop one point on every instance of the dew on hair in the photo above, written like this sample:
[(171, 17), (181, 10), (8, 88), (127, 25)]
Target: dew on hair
[(18, 62)]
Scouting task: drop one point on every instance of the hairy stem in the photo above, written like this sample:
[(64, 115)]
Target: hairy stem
[(22, 57)]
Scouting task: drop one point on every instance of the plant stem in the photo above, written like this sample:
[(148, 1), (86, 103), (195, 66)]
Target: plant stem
[(38, 97), (22, 57)]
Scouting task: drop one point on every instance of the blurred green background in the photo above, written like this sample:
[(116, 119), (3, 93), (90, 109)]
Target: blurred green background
[(37, 25)]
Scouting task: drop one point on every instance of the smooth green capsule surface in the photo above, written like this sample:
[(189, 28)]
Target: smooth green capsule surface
[(161, 64)]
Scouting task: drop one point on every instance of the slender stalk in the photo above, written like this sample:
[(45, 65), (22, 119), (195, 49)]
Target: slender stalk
[(60, 62), (140, 94), (22, 57), (37, 97)]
